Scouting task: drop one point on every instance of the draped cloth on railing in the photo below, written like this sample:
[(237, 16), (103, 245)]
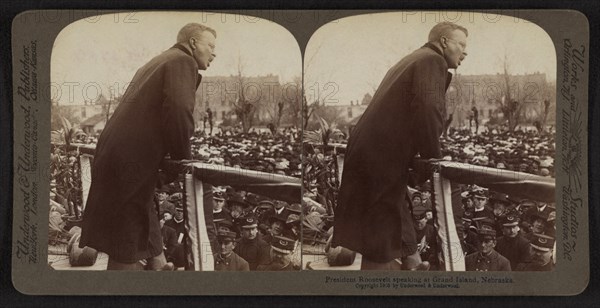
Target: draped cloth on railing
[(515, 184), (274, 186), (512, 183)]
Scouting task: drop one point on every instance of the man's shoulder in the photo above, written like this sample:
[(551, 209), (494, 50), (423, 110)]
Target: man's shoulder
[(425, 56), (238, 259), (498, 256), (174, 56)]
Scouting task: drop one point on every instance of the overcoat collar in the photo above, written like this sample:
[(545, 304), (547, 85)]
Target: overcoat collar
[(187, 52), (439, 52)]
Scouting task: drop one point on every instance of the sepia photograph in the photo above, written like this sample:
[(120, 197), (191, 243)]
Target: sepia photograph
[(429, 144), (175, 144)]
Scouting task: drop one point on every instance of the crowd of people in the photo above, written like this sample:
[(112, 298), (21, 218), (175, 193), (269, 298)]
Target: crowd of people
[(253, 232), (524, 151), (500, 233), (261, 151)]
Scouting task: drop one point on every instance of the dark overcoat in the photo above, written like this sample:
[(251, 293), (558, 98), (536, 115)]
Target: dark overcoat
[(153, 119), (406, 116)]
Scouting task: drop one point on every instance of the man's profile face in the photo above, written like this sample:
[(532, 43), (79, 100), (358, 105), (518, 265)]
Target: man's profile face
[(456, 44), (204, 51)]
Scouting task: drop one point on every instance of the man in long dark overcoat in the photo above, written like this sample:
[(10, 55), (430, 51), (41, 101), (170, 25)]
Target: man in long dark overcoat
[(153, 119), (406, 116)]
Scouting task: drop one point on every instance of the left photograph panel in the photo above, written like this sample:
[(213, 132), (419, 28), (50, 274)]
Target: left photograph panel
[(175, 144)]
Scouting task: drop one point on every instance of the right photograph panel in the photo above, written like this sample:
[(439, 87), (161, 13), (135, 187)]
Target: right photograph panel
[(429, 144)]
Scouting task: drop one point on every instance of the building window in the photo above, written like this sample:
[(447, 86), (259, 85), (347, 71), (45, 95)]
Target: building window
[(222, 115), (489, 113)]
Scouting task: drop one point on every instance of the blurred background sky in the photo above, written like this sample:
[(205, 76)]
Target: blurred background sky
[(105, 50), (348, 57)]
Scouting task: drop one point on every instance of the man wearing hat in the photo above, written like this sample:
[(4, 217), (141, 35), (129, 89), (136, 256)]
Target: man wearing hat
[(539, 223), (541, 260), (224, 225), (219, 210), (251, 247), (281, 251), (513, 245), (294, 219), (425, 233), (480, 208), (178, 224), (164, 205), (486, 259), (542, 209), (279, 209), (500, 204), (226, 259), (277, 223), (260, 210), (237, 210)]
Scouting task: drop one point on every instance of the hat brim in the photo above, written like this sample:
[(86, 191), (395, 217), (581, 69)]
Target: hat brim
[(540, 248), (284, 251)]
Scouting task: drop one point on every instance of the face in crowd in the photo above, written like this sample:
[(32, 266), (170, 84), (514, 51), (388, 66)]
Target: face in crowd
[(486, 245), (162, 196), (276, 227), (510, 231), (538, 226), (218, 204), (179, 215), (227, 247), (280, 258), (416, 200), (249, 233), (499, 209), (541, 257), (468, 203), (279, 205), (480, 202), (421, 223), (236, 210)]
